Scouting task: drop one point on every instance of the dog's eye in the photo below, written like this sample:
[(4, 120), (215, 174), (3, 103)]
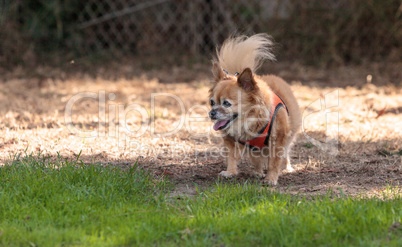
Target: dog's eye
[(226, 103), (212, 102)]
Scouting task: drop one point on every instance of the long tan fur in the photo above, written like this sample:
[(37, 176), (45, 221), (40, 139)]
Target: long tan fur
[(240, 52), (244, 92)]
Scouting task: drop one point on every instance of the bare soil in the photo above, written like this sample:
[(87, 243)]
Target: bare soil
[(351, 140)]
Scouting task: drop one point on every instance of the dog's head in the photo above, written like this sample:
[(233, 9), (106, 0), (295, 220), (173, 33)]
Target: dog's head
[(234, 100)]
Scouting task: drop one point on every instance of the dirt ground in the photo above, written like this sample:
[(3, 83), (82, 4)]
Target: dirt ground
[(351, 138)]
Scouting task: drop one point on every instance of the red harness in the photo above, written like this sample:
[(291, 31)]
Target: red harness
[(262, 139)]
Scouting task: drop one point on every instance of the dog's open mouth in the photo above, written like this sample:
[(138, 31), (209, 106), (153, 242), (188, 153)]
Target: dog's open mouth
[(223, 124)]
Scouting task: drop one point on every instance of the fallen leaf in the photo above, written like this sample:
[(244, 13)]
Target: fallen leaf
[(381, 112)]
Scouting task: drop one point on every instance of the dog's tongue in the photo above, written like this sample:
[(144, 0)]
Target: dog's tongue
[(219, 124)]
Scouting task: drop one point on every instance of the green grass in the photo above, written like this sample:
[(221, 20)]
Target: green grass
[(67, 203), (308, 145)]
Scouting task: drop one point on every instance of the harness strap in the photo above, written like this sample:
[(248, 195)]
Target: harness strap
[(262, 139)]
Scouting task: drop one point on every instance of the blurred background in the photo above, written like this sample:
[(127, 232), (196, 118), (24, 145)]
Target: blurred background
[(312, 32)]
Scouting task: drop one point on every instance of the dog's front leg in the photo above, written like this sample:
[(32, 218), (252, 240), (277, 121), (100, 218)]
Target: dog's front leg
[(233, 158), (259, 162), (277, 144)]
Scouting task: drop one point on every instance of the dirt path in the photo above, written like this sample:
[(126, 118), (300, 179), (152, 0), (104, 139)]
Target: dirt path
[(352, 137)]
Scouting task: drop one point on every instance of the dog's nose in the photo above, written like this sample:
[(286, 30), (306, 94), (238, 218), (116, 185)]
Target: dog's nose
[(212, 114)]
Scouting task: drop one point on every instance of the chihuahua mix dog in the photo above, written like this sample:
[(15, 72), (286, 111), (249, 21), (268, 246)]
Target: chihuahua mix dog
[(258, 116)]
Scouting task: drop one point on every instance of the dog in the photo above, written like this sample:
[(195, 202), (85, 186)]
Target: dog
[(258, 116)]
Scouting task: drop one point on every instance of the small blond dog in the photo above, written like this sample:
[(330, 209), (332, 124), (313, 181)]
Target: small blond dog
[(258, 115)]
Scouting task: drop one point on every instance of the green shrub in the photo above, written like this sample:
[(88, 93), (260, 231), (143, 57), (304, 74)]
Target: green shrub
[(346, 31)]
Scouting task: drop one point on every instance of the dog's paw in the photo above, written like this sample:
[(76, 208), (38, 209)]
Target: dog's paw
[(288, 169), (227, 174), (259, 175), (270, 182)]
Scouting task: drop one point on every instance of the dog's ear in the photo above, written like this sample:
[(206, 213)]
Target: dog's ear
[(246, 80), (217, 72)]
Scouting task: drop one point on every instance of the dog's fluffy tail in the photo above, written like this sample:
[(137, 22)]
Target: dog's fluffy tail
[(240, 52)]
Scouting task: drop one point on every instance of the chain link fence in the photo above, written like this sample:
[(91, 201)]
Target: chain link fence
[(328, 31), (196, 26)]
